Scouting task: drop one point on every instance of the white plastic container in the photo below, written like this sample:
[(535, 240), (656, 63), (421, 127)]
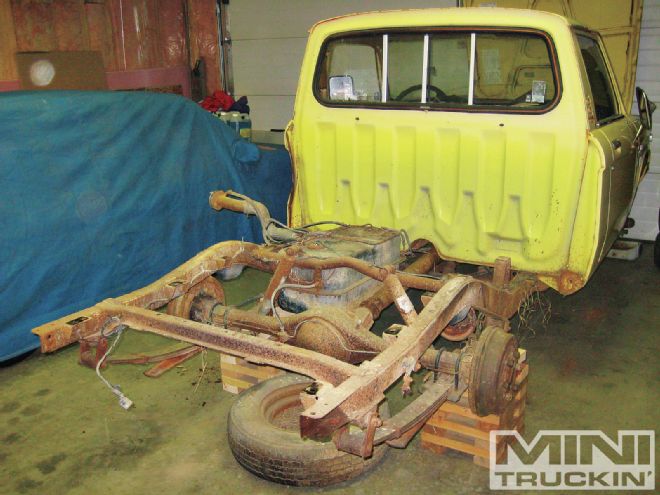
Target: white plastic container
[(625, 250), (242, 124)]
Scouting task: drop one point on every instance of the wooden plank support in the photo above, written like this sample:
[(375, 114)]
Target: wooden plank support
[(239, 375), (455, 427)]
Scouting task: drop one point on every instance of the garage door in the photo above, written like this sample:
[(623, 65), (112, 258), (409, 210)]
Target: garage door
[(268, 42)]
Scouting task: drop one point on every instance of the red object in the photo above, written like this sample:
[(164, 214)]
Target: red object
[(218, 100)]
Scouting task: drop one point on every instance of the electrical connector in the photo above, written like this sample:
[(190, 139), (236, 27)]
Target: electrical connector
[(125, 402)]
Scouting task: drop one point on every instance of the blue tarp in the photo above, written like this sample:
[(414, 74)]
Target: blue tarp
[(105, 192)]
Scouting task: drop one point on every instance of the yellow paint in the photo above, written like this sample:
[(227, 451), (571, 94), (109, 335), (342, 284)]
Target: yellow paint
[(618, 22), (534, 188)]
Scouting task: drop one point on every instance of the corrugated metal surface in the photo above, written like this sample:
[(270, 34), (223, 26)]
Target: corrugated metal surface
[(482, 198), (268, 44), (645, 208)]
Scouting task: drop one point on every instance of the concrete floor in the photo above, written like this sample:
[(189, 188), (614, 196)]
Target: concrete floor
[(595, 365)]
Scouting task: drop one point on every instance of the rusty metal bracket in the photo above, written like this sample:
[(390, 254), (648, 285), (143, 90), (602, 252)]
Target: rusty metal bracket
[(368, 444), (364, 390), (403, 425), (91, 352), (457, 392), (172, 361)]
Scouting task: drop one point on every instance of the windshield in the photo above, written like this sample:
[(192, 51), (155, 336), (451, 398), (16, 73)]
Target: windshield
[(439, 68)]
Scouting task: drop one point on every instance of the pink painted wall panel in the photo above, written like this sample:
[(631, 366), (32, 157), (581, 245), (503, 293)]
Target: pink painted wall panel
[(204, 40), (70, 25), (151, 78), (140, 32), (172, 26)]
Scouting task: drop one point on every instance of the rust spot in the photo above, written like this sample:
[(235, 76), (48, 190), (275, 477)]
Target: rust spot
[(569, 282)]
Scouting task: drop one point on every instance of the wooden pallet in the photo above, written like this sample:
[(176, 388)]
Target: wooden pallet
[(455, 427), (238, 374)]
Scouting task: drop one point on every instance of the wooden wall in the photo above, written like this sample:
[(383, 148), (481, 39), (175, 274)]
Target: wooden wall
[(130, 34)]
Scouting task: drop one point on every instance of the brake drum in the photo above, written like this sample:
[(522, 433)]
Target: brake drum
[(493, 372)]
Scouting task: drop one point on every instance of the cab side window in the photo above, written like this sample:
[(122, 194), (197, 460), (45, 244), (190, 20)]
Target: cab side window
[(599, 78), (351, 71)]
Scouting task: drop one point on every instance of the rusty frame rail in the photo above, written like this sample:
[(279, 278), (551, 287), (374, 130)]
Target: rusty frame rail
[(348, 393), (361, 393)]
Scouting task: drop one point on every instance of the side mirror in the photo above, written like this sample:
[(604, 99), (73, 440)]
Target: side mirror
[(341, 88), (645, 108)]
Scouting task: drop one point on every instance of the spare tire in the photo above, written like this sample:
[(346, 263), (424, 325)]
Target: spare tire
[(264, 437)]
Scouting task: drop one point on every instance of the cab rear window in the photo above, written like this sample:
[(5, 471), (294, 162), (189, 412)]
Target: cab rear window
[(488, 70)]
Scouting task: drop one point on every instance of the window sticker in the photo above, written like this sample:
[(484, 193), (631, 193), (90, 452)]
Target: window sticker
[(538, 91), (341, 88)]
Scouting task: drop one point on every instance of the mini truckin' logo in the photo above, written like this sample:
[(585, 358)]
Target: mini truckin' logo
[(573, 460)]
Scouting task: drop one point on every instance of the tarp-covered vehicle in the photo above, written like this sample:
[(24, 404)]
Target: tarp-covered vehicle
[(491, 137)]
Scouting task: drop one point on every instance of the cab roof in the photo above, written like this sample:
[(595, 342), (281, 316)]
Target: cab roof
[(441, 17)]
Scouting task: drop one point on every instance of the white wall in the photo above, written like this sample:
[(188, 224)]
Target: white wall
[(268, 42), (645, 208)]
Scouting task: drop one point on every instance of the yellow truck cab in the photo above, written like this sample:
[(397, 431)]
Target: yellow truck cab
[(488, 132)]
